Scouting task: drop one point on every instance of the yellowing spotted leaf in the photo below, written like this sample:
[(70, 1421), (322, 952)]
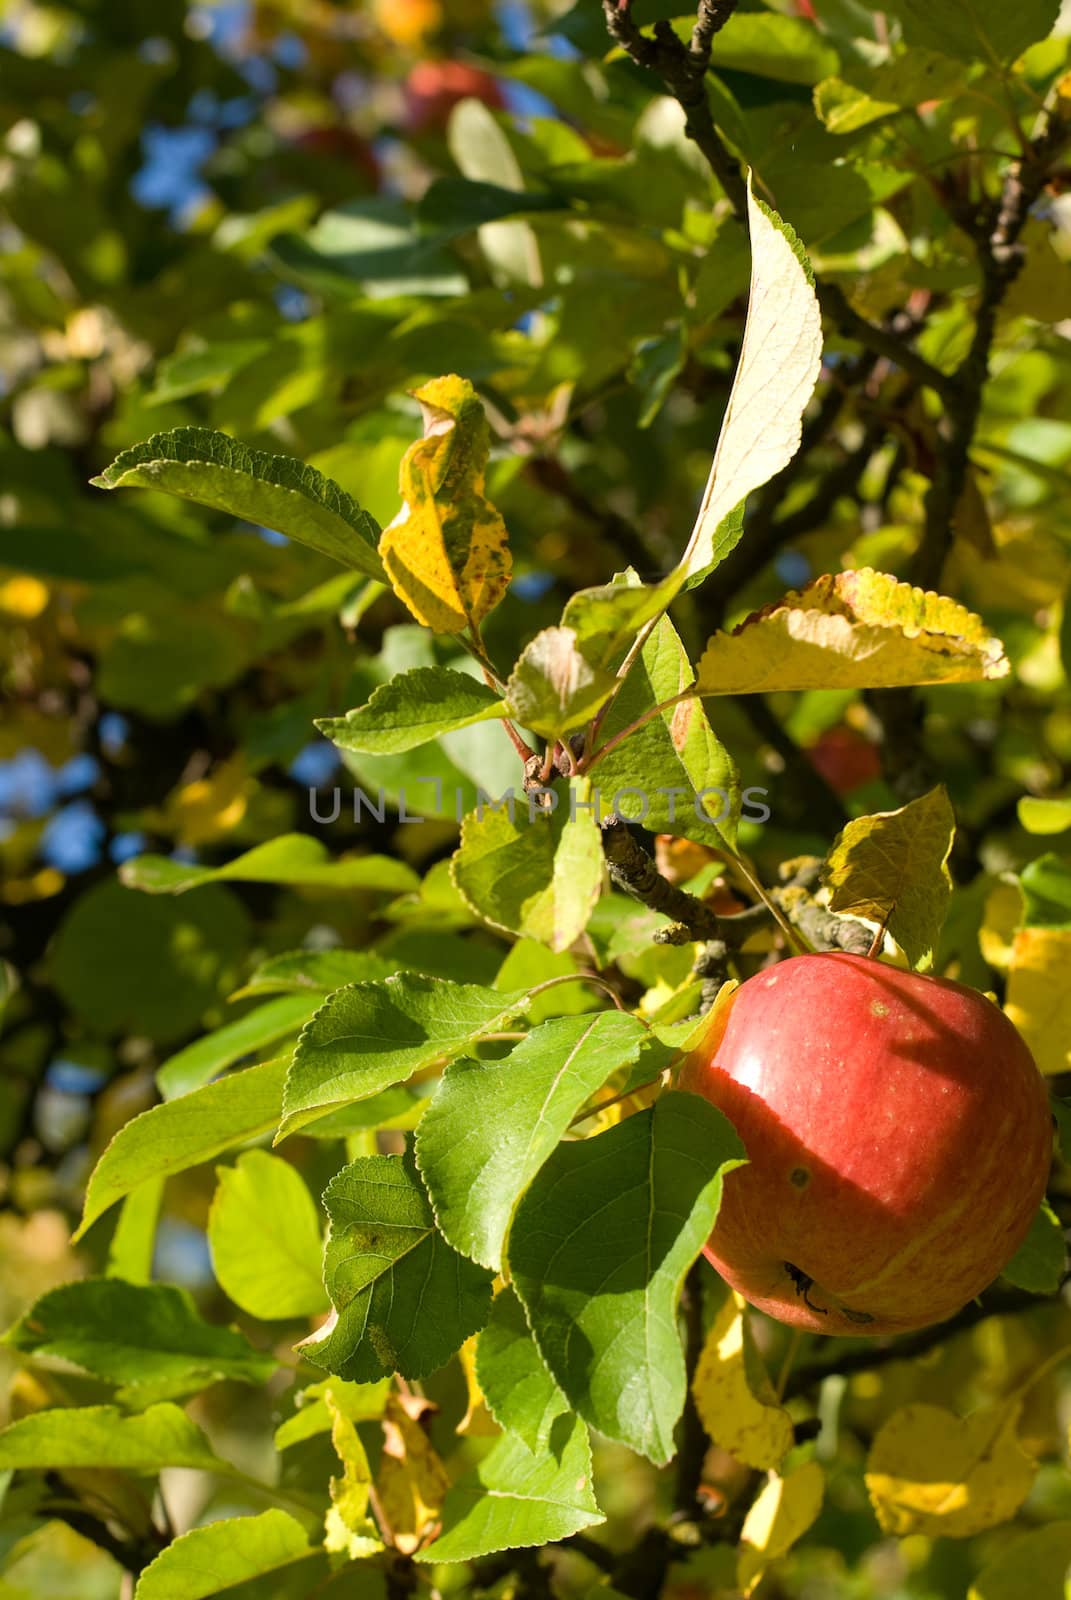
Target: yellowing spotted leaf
[(734, 1396), (412, 1481), (1038, 998), (348, 1529), (446, 551), (477, 1421), (851, 630), (892, 868), (784, 1510), (932, 1472)]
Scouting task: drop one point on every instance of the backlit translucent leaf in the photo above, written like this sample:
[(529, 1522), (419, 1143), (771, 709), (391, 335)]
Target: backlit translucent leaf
[(348, 1529), (292, 858), (492, 1124), (778, 368), (851, 630), (520, 1393), (361, 1402), (786, 1507), (222, 1554), (446, 552), (404, 1299), (269, 491), (540, 877), (368, 1036), (677, 766), (1044, 816), (514, 1499), (181, 1133), (892, 868), (554, 687), (733, 1393), (102, 1436), (1040, 1262), (209, 1055), (150, 1338), (1044, 1553), (598, 1253), (412, 708), (932, 1472), (264, 1234), (1038, 996)]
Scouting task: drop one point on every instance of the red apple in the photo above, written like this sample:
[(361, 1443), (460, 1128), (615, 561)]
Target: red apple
[(844, 758), (434, 88), (899, 1139)]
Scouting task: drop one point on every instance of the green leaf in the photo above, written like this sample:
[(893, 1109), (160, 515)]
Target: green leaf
[(778, 368), (209, 1055), (990, 30), (1046, 885), (1044, 816), (598, 1253), (293, 858), (1040, 1262), (375, 244), (529, 872), (516, 1385), (264, 1234), (404, 1300), (133, 1244), (150, 1338), (514, 1499), (785, 48), (360, 1402), (222, 1554), (371, 1035), (269, 491), (413, 708), (315, 971), (892, 868), (683, 772), (492, 1124), (554, 688), (102, 1436), (184, 1132)]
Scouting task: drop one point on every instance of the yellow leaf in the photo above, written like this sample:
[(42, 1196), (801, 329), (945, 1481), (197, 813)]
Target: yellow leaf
[(1001, 916), (412, 1480), (1038, 998), (1044, 1554), (932, 1472), (445, 552), (348, 1529), (477, 1421), (851, 630), (209, 807), (23, 596), (783, 1512), (733, 1393), (892, 868)]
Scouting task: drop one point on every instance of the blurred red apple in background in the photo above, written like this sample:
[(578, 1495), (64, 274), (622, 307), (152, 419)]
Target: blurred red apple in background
[(434, 88), (844, 758), (899, 1139)]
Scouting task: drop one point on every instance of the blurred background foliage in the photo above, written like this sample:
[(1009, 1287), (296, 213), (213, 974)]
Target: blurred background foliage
[(275, 217)]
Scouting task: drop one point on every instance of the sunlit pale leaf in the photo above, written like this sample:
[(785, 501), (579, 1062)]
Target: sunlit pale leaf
[(515, 1498), (412, 708), (405, 1301), (102, 1436), (492, 1124), (892, 868), (554, 686), (368, 1036), (785, 1509), (293, 858), (851, 630), (1044, 816), (269, 491), (539, 878), (733, 1393), (222, 1047), (932, 1472), (361, 1402), (598, 1253), (446, 552), (348, 1529), (264, 1234), (181, 1133), (775, 377), (1038, 996), (222, 1554)]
